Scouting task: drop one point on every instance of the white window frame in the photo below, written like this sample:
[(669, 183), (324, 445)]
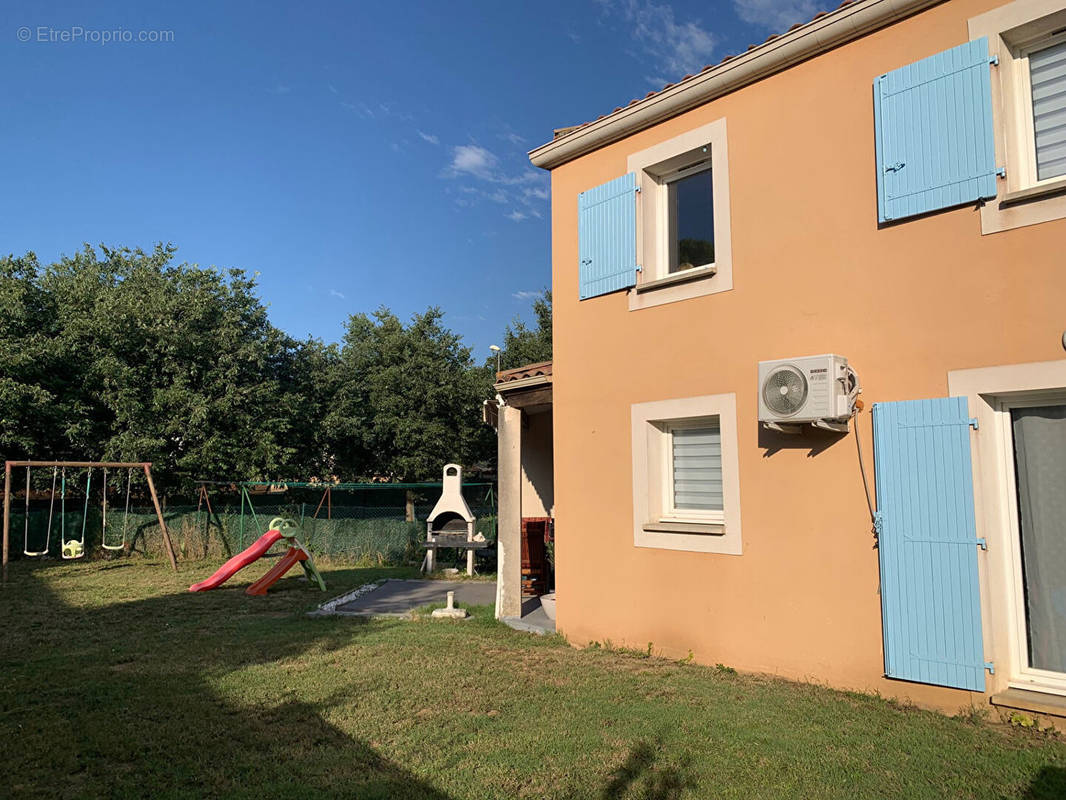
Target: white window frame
[(1014, 31), (656, 523), (668, 218), (1025, 676), (991, 392), (670, 512), (655, 168), (1023, 111)]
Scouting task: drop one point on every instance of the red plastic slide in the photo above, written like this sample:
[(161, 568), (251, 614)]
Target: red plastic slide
[(293, 557), (239, 561)]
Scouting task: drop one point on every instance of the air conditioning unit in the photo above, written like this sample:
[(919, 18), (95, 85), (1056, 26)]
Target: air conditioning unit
[(815, 390)]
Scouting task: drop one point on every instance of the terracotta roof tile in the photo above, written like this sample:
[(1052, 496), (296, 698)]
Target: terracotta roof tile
[(542, 369)]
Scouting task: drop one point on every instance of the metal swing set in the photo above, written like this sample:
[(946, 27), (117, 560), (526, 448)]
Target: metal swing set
[(74, 548)]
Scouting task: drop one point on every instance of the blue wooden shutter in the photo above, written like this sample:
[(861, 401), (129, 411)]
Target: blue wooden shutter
[(930, 598), (607, 236), (933, 130)]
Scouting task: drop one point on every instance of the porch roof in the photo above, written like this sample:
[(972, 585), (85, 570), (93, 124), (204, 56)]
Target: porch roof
[(524, 377)]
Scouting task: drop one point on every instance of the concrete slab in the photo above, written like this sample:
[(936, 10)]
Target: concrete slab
[(533, 619), (398, 598), (401, 597)]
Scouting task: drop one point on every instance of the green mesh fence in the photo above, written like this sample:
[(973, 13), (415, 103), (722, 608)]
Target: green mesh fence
[(361, 526)]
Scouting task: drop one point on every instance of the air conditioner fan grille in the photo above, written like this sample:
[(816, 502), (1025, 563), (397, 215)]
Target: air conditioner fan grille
[(785, 391)]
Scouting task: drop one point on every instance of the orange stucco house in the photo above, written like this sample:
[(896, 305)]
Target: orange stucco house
[(883, 188)]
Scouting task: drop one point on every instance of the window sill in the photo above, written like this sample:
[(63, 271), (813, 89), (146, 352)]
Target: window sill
[(702, 528), (1028, 700), (1038, 192), (689, 275)]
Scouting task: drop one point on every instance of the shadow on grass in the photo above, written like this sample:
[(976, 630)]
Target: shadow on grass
[(1049, 784), (639, 776), (158, 697)]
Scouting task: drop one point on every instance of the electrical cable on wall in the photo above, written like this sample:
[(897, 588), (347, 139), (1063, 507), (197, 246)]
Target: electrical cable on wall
[(856, 407), (862, 465)]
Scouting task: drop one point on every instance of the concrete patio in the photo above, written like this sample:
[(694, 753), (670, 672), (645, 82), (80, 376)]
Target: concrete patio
[(398, 598)]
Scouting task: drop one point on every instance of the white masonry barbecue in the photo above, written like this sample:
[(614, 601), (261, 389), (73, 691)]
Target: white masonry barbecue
[(450, 523)]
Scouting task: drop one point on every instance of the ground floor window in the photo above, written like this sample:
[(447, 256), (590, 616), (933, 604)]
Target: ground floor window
[(686, 487), (693, 485)]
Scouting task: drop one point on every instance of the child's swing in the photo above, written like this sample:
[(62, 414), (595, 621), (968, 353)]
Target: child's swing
[(26, 526), (75, 548), (125, 516)]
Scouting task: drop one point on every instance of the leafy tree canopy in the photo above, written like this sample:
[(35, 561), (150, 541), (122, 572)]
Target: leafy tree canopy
[(525, 345), (122, 354), (408, 399)]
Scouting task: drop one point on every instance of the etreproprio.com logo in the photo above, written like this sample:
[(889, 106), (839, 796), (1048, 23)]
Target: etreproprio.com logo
[(78, 34)]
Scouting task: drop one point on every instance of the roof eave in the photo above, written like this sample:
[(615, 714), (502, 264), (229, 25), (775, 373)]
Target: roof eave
[(522, 383), (818, 36)]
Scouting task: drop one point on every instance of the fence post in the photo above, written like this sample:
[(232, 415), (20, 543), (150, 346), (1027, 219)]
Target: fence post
[(7, 512)]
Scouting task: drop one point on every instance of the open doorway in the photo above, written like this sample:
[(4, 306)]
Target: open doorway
[(522, 415), (1037, 446)]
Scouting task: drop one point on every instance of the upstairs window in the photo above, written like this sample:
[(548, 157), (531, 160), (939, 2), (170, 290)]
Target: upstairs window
[(683, 246), (1027, 42), (690, 209), (1047, 85)]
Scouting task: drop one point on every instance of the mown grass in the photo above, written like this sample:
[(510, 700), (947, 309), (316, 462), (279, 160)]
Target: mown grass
[(117, 682)]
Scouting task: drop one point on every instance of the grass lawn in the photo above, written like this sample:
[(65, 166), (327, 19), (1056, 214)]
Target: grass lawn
[(118, 682)]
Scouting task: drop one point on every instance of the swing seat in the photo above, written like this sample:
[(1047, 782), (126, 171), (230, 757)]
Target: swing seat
[(72, 548)]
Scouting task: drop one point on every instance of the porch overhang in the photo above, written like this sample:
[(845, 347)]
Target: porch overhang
[(528, 388)]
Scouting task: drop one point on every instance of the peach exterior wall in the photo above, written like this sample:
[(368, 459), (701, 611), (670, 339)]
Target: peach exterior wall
[(812, 274), (538, 498)]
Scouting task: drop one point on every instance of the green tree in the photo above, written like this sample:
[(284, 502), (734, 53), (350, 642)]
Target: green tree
[(126, 354), (525, 345), (122, 354), (308, 372), (31, 385), (408, 399)]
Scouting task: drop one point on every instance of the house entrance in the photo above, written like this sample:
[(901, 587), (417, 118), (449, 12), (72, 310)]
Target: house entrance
[(1038, 447)]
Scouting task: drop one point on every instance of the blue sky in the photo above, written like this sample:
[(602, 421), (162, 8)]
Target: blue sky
[(353, 154)]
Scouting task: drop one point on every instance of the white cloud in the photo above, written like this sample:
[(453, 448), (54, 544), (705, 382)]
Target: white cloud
[(362, 109), (526, 176), (472, 159), (281, 88), (524, 295), (513, 138), (676, 47), (776, 15), (524, 191), (332, 88), (390, 109), (335, 293), (429, 137)]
